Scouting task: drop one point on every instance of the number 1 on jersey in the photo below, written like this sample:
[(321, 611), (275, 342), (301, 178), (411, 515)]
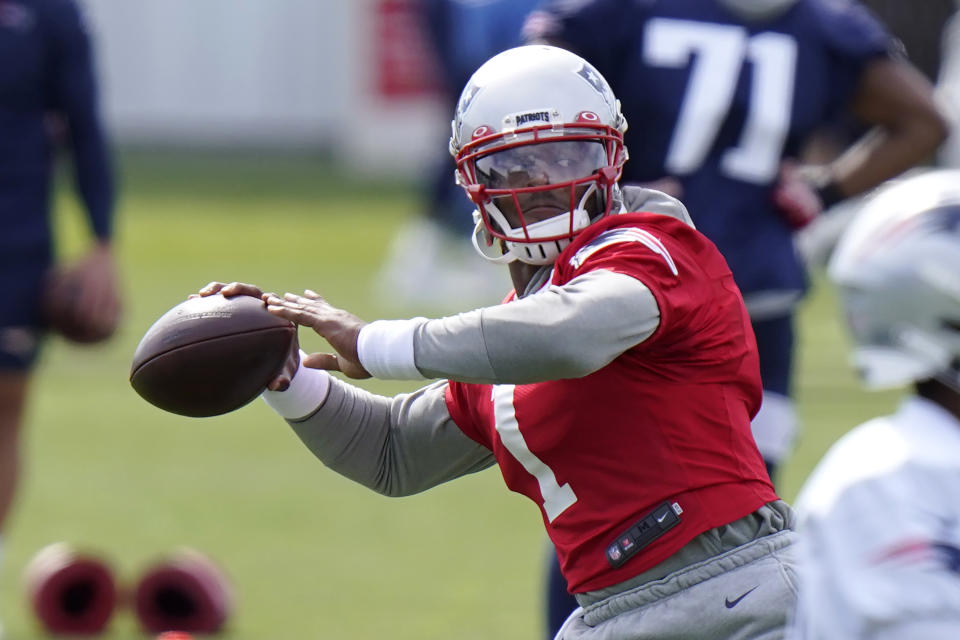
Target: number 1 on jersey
[(556, 498)]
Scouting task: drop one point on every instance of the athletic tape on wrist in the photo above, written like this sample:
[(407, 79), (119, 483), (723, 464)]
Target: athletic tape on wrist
[(385, 349), (306, 393)]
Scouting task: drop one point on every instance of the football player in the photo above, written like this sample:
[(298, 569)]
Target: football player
[(49, 77), (879, 517), (721, 96), (718, 94), (614, 388), (948, 88)]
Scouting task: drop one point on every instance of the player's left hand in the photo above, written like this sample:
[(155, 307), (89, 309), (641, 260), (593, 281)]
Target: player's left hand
[(338, 327), (795, 197)]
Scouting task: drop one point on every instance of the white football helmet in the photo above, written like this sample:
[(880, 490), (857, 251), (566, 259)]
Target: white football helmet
[(538, 141), (898, 271)]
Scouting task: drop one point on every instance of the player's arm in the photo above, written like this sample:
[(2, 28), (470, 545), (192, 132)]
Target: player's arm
[(564, 331), (539, 337), (396, 446), (908, 127), (899, 101), (73, 100)]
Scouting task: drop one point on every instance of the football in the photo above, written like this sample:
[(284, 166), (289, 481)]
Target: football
[(62, 314), (211, 355)]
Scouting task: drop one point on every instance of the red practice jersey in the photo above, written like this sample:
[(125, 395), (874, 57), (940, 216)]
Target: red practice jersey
[(666, 421)]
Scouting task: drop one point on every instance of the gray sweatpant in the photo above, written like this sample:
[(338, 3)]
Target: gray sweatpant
[(745, 593)]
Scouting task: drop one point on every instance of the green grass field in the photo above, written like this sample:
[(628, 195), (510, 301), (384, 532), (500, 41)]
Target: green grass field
[(310, 554)]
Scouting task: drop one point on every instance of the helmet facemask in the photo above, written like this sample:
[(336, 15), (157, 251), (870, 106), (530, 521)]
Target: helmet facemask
[(536, 188)]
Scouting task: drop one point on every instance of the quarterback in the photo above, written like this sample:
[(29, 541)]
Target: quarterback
[(614, 388)]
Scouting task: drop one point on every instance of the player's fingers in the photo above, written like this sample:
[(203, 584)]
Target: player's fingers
[(326, 361), (353, 369), (306, 302), (313, 295), (241, 289), (211, 288), (291, 311), (284, 303), (316, 308), (334, 362)]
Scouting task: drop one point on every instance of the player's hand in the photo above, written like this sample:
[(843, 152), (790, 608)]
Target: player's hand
[(228, 290), (795, 197), (338, 327), (100, 292), (290, 366), (85, 296)]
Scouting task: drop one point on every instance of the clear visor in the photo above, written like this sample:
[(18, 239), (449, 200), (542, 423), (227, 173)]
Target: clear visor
[(544, 163)]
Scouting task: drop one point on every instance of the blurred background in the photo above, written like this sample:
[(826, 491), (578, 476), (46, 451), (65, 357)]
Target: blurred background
[(353, 79), (285, 143)]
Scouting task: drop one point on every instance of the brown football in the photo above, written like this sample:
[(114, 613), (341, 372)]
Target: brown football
[(209, 356)]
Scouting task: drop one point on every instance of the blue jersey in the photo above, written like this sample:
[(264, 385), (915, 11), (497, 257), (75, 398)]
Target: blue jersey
[(465, 33), (718, 102), (48, 72)]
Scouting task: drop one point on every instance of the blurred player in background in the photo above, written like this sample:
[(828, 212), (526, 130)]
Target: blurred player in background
[(721, 96), (948, 88), (925, 37), (879, 516), (429, 263), (919, 31), (919, 35), (580, 386), (47, 89)]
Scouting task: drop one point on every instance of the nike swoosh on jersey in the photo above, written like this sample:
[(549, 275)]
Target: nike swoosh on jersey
[(732, 603)]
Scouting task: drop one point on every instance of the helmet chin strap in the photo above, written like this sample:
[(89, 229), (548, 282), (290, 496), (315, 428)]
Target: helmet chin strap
[(534, 253), (480, 231)]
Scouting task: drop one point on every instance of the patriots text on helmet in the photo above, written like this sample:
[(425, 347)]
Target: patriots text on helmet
[(533, 116)]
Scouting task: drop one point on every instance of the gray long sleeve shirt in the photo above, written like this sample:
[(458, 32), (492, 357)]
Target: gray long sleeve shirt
[(409, 443)]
